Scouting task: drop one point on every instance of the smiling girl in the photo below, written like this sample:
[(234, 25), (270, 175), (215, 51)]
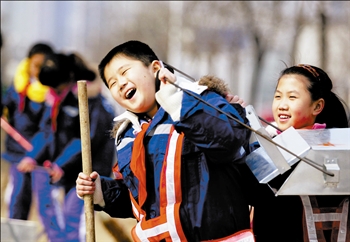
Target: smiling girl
[(303, 99)]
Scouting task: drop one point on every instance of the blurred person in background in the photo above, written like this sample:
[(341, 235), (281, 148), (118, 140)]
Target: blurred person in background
[(1, 107), (58, 141), (22, 106)]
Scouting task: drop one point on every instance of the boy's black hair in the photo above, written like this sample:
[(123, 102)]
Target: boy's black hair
[(133, 49), (60, 68), (40, 48), (334, 113)]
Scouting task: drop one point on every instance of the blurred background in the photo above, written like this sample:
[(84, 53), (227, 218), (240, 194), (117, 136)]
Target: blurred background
[(245, 43)]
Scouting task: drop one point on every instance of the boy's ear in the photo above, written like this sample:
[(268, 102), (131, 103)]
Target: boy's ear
[(319, 105), (156, 65)]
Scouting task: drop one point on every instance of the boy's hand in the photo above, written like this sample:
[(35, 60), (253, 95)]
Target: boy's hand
[(164, 75), (27, 164), (235, 99), (86, 184)]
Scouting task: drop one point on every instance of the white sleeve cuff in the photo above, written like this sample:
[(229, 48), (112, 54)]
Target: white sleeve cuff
[(170, 99)]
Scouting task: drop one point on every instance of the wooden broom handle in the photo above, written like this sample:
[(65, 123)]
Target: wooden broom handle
[(86, 157)]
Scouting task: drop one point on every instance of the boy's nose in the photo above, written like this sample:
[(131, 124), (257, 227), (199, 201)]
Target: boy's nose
[(122, 83)]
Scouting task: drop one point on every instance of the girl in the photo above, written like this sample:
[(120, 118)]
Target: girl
[(303, 99)]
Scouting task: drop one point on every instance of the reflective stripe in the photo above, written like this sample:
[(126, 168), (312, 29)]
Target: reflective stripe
[(124, 142), (245, 235), (170, 186), (160, 129), (168, 223), (144, 234), (135, 211)]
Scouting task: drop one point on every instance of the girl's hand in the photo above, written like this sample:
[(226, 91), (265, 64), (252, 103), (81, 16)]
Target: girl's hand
[(86, 184), (235, 99)]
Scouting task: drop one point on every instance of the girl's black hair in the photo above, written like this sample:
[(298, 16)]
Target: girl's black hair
[(334, 113)]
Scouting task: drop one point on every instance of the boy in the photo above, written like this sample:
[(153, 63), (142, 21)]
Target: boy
[(176, 170)]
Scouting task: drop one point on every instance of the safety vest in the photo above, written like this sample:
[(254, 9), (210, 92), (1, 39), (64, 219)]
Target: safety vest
[(167, 225), (316, 220)]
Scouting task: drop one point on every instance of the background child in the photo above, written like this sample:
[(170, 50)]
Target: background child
[(58, 140), (303, 99), (176, 155), (23, 105)]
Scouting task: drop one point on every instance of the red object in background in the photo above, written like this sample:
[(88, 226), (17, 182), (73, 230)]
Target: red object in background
[(15, 135)]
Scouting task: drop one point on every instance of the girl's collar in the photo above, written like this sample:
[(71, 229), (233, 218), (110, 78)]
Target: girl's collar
[(315, 126)]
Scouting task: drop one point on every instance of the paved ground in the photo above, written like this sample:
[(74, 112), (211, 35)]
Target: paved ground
[(103, 223)]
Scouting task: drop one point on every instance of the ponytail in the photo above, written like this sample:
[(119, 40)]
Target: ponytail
[(333, 113)]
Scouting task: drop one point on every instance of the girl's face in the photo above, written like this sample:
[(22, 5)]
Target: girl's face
[(132, 84), (35, 64), (292, 104)]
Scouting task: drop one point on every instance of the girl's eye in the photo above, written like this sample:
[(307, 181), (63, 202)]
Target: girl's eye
[(292, 97), (277, 96), (123, 73), (112, 84)]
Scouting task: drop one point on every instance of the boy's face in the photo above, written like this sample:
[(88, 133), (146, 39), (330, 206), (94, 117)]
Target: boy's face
[(132, 84), (292, 104)]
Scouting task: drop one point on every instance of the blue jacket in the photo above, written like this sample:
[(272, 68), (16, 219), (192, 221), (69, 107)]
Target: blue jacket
[(63, 146), (213, 204), (26, 122)]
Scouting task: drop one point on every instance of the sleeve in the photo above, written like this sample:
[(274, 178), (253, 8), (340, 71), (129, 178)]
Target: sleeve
[(220, 137), (116, 197), (8, 101), (42, 140), (71, 153)]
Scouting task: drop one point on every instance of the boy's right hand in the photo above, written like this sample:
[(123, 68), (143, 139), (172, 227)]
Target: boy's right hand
[(86, 184), (235, 99)]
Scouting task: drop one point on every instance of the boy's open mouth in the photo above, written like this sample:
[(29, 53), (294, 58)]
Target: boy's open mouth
[(129, 94)]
